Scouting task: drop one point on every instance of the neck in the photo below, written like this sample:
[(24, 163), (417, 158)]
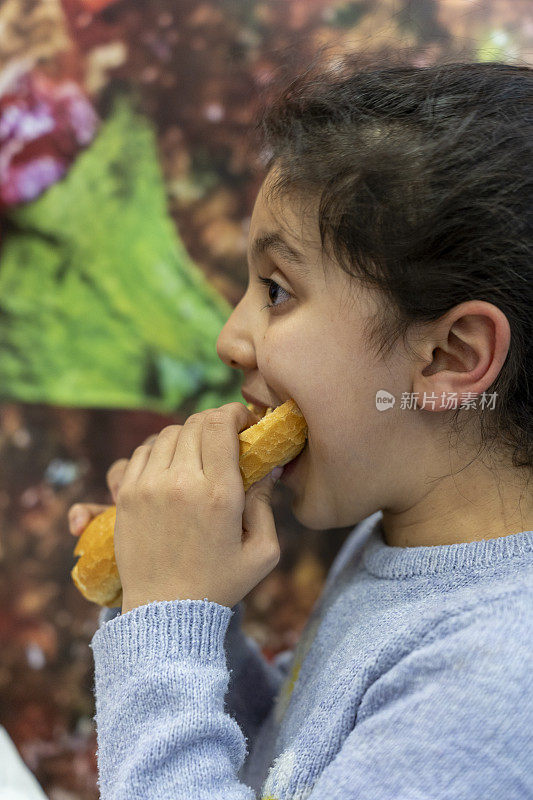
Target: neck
[(473, 503)]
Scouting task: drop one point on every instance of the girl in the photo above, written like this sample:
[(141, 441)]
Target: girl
[(390, 294)]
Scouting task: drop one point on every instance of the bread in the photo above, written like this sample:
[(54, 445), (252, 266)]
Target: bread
[(275, 440)]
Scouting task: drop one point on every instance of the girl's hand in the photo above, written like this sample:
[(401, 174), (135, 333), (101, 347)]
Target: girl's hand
[(80, 514), (185, 529)]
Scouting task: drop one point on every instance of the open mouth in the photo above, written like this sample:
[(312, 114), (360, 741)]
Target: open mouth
[(261, 410)]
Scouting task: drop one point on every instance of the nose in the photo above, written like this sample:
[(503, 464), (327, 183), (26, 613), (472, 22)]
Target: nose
[(234, 344)]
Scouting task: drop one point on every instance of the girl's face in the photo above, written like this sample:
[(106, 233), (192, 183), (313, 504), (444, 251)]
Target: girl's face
[(310, 347)]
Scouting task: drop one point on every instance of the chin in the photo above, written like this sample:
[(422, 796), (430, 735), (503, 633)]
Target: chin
[(321, 515), (311, 516)]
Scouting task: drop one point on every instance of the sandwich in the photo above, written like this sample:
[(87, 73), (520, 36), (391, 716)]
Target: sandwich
[(277, 438)]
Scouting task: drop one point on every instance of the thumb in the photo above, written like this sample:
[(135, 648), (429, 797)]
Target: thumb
[(262, 490), (258, 519)]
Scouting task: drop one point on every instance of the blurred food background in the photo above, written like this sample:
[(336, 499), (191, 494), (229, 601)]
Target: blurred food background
[(127, 181)]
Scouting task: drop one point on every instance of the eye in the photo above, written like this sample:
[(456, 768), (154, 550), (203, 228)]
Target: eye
[(275, 286)]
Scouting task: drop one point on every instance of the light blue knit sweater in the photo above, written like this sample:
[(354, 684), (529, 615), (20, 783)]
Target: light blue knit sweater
[(412, 680)]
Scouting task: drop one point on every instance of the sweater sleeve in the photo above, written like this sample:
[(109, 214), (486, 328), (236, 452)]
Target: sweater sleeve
[(253, 683), (162, 729), (454, 718)]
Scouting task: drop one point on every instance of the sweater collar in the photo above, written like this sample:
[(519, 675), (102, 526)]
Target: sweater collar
[(384, 561)]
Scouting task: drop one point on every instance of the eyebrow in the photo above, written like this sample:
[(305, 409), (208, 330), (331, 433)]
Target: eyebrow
[(273, 241)]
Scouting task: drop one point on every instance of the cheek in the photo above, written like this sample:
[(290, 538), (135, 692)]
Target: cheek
[(327, 371), (283, 359), (346, 431)]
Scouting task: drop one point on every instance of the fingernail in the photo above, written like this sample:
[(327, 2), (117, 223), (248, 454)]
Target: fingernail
[(276, 473)]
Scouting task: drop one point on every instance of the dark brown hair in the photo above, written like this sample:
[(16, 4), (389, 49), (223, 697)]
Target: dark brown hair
[(425, 183)]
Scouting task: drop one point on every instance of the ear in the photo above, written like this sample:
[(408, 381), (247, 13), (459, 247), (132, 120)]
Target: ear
[(461, 355)]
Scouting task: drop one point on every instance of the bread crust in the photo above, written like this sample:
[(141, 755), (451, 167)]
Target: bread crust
[(277, 438)]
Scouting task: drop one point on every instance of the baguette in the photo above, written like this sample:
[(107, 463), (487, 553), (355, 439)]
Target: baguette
[(277, 438)]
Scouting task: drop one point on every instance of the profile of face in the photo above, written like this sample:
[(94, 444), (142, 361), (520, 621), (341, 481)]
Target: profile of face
[(310, 346), (362, 455)]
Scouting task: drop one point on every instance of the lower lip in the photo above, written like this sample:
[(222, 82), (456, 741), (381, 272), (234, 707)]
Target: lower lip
[(288, 469)]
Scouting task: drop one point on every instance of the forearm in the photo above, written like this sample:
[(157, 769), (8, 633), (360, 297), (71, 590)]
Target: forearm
[(253, 681), (160, 680)]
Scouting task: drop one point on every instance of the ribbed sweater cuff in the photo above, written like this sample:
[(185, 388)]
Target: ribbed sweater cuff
[(174, 629)]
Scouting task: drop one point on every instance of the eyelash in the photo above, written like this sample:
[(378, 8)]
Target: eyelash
[(269, 282)]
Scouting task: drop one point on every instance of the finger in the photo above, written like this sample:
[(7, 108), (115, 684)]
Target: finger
[(187, 456), (162, 451), (136, 465), (220, 442), (114, 475), (80, 514)]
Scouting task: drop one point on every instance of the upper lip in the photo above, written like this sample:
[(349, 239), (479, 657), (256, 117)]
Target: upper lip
[(251, 399)]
